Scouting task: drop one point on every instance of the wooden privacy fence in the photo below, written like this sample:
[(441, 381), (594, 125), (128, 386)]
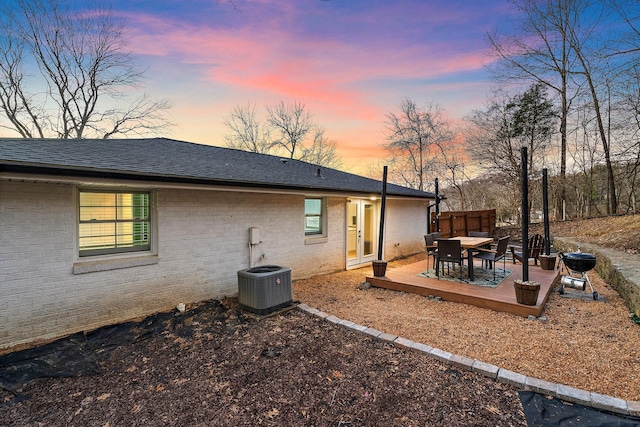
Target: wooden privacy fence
[(460, 223)]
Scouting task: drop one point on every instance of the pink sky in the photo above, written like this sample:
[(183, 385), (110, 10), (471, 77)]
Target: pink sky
[(350, 62)]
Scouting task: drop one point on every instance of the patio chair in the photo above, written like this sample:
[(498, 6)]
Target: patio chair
[(482, 234), (535, 246), (449, 252), (491, 256), (430, 243)]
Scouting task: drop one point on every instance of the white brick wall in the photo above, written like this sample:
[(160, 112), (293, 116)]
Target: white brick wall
[(405, 227), (202, 243)]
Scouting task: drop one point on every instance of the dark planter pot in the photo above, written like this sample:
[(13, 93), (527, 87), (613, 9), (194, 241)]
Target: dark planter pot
[(379, 268), (526, 292), (547, 262)]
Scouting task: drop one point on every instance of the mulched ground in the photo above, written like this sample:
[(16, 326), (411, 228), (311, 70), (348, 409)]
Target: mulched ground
[(216, 365), (587, 344)]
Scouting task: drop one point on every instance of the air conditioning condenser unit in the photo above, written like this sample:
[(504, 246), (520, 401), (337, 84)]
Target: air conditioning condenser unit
[(264, 289)]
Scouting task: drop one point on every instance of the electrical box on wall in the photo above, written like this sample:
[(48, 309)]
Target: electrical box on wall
[(254, 235)]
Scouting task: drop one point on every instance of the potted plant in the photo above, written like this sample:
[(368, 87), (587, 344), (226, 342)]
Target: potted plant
[(379, 268), (526, 291), (547, 261)]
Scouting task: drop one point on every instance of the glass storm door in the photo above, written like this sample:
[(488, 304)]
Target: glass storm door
[(361, 232)]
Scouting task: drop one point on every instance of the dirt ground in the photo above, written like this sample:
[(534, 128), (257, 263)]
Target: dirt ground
[(217, 365)]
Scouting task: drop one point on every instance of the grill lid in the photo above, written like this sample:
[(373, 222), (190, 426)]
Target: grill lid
[(579, 261)]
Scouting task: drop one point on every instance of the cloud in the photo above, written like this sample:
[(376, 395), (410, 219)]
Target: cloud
[(349, 62), (278, 61)]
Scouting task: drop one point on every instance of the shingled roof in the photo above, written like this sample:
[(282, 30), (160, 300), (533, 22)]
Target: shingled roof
[(167, 160)]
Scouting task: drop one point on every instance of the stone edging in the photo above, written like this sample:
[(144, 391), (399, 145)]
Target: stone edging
[(561, 391)]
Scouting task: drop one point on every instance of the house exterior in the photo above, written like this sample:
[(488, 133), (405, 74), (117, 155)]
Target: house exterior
[(94, 232)]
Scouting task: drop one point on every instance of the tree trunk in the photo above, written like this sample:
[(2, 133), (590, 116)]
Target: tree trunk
[(612, 205)]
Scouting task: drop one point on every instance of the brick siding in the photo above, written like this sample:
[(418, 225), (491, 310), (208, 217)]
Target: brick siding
[(202, 241)]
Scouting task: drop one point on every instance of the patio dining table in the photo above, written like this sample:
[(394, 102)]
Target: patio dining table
[(471, 243)]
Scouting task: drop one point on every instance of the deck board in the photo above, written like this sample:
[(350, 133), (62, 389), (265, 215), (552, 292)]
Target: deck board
[(502, 298)]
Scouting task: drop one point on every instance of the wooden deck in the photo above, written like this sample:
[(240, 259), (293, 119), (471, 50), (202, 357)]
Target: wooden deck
[(502, 298)]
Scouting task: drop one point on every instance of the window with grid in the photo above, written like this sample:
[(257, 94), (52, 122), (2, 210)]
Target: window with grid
[(113, 222), (313, 220)]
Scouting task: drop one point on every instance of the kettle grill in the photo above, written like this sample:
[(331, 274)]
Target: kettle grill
[(578, 264)]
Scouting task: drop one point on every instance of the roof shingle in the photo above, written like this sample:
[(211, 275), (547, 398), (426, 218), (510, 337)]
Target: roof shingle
[(179, 161)]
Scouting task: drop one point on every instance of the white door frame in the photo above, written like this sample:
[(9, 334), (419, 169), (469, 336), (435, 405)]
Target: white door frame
[(361, 231)]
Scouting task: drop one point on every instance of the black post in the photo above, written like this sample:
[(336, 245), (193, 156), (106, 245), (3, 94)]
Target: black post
[(545, 212), (437, 207), (524, 211), (382, 208)]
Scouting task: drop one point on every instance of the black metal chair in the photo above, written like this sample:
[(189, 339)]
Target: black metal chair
[(481, 234), (430, 243), (449, 252), (491, 256)]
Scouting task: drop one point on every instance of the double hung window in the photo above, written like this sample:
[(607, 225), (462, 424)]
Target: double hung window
[(112, 222), (313, 216)]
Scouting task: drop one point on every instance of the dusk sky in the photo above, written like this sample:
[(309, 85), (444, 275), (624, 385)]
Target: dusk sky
[(350, 62)]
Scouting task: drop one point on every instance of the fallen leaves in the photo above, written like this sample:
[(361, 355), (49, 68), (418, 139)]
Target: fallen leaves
[(323, 375), (493, 410)]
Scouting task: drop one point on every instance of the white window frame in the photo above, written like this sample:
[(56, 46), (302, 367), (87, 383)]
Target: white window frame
[(320, 219), (149, 229)]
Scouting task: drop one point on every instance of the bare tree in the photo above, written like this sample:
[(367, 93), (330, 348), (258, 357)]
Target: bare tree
[(413, 137), (540, 51), (289, 130), (588, 60), (491, 138), (495, 134), (631, 116), (292, 123), (629, 42), (559, 44), (247, 132), (626, 53), (585, 156), (84, 73), (322, 151), (452, 162)]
